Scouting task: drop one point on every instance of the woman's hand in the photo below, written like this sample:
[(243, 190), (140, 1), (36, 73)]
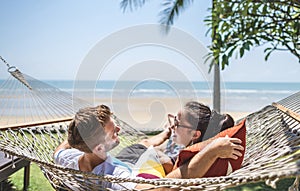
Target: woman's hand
[(225, 147)]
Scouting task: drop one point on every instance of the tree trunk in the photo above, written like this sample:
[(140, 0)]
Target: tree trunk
[(217, 94)]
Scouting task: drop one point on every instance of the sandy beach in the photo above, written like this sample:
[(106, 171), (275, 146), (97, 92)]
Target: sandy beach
[(146, 106), (142, 113), (151, 113)]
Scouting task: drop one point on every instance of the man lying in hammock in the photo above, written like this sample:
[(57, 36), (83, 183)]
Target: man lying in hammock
[(93, 133)]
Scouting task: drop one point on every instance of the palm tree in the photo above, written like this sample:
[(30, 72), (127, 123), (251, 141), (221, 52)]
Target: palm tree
[(171, 10)]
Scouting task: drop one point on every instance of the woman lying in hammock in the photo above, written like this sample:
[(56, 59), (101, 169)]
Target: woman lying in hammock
[(93, 133), (188, 127)]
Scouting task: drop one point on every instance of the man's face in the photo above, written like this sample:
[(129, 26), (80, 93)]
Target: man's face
[(183, 132), (111, 138)]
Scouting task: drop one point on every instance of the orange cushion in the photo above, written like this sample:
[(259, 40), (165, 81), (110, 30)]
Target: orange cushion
[(220, 167)]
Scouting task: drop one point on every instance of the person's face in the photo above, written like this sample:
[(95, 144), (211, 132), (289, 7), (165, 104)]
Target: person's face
[(111, 138), (183, 131)]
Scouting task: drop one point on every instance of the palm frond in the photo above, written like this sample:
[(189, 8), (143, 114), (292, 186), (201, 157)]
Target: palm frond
[(171, 10), (131, 4)]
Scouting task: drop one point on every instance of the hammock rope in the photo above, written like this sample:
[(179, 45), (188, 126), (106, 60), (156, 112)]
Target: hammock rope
[(42, 104), (287, 111), (272, 149)]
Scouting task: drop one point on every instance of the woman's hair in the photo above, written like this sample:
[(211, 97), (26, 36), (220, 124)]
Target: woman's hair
[(86, 130), (198, 115), (227, 122)]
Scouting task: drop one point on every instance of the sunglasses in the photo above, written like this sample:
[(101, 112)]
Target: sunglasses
[(173, 121)]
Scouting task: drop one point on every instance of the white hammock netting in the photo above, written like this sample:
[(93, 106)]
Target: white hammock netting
[(34, 102), (34, 119)]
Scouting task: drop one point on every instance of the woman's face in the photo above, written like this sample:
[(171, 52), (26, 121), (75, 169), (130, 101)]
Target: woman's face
[(183, 132)]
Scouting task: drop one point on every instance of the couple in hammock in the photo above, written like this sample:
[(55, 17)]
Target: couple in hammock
[(93, 133)]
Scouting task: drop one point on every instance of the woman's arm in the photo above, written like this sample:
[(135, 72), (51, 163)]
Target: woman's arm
[(219, 148)]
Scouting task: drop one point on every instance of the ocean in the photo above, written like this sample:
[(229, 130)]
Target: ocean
[(144, 104), (236, 96)]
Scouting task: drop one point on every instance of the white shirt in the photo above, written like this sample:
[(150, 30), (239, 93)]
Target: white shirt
[(111, 166)]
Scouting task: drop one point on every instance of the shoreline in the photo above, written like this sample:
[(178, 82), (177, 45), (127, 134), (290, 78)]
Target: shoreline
[(150, 114), (143, 113)]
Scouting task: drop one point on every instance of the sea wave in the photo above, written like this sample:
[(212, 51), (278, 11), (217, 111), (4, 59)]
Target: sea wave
[(170, 92), (251, 91)]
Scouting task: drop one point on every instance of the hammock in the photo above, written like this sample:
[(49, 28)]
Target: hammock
[(272, 151)]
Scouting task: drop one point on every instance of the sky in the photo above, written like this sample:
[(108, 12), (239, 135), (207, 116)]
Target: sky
[(58, 39)]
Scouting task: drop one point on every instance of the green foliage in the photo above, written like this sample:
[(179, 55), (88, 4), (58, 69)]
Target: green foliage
[(37, 180), (171, 10), (239, 25), (282, 184), (131, 4)]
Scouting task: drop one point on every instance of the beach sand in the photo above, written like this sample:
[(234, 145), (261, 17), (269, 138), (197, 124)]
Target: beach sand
[(142, 113), (150, 114)]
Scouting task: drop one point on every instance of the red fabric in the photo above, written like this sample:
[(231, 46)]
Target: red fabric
[(219, 168), (147, 176)]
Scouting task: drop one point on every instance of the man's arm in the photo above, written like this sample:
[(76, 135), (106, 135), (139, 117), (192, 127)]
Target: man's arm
[(197, 167), (63, 145)]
